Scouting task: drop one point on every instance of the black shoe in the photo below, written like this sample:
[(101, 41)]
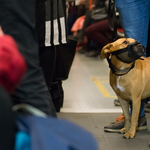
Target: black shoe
[(78, 37), (93, 53), (71, 37), (82, 49), (119, 124), (116, 102)]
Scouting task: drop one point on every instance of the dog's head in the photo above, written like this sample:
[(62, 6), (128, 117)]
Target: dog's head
[(125, 48)]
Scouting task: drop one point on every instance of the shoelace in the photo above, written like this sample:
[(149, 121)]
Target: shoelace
[(119, 119)]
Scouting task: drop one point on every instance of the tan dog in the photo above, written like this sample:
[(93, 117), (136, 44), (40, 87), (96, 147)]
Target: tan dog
[(130, 81)]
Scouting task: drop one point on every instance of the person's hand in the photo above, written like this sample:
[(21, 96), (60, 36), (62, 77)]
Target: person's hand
[(1, 32)]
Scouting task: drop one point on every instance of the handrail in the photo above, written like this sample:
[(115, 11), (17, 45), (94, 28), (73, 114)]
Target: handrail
[(112, 19)]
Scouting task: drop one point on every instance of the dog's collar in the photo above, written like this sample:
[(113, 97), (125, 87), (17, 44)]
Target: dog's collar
[(119, 72)]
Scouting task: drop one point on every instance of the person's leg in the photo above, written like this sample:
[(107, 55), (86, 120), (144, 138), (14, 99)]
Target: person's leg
[(47, 62), (134, 16), (7, 122), (148, 42), (49, 69), (80, 35), (97, 32), (147, 103), (17, 18), (87, 21)]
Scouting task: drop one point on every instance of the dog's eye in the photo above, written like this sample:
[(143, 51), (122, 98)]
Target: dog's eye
[(125, 42)]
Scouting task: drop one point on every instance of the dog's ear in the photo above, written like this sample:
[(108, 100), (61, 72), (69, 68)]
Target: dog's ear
[(105, 51)]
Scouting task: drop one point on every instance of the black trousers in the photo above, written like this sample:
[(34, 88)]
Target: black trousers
[(48, 57), (47, 62), (17, 18)]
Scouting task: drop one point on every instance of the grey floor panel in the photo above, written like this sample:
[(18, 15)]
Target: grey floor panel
[(88, 102), (95, 122), (81, 93)]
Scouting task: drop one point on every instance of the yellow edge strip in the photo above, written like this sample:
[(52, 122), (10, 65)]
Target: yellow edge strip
[(102, 88)]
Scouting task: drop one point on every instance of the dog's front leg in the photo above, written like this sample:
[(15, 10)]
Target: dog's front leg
[(136, 103), (125, 108)]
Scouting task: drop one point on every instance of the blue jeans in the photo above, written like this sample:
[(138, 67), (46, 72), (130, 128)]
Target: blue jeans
[(134, 17)]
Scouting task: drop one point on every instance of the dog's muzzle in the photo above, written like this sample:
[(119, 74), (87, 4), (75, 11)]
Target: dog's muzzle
[(131, 53)]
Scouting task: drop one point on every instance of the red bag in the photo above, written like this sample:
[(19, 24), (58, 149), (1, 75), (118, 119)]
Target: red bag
[(78, 24)]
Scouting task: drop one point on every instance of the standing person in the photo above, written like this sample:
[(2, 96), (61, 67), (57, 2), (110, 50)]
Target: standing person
[(17, 18), (134, 17), (51, 31)]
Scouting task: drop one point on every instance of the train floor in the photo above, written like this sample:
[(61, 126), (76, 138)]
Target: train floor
[(88, 102)]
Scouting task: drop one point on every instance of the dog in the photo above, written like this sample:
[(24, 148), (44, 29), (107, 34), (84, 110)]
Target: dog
[(129, 78)]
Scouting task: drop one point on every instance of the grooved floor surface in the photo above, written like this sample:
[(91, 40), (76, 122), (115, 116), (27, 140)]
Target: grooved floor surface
[(95, 122), (88, 102)]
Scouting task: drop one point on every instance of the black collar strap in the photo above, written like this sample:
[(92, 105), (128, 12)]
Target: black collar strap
[(119, 72)]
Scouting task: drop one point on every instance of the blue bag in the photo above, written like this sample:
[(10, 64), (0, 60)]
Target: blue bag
[(55, 134)]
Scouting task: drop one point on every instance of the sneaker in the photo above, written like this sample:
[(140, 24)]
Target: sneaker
[(142, 123), (119, 124), (116, 102), (115, 126)]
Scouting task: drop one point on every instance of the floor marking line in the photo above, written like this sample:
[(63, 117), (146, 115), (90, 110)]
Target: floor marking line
[(102, 88)]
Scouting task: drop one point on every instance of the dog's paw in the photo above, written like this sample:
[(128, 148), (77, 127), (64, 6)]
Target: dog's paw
[(123, 130), (129, 135)]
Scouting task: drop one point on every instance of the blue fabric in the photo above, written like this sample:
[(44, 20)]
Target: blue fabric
[(134, 17), (23, 141), (142, 111), (55, 134)]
